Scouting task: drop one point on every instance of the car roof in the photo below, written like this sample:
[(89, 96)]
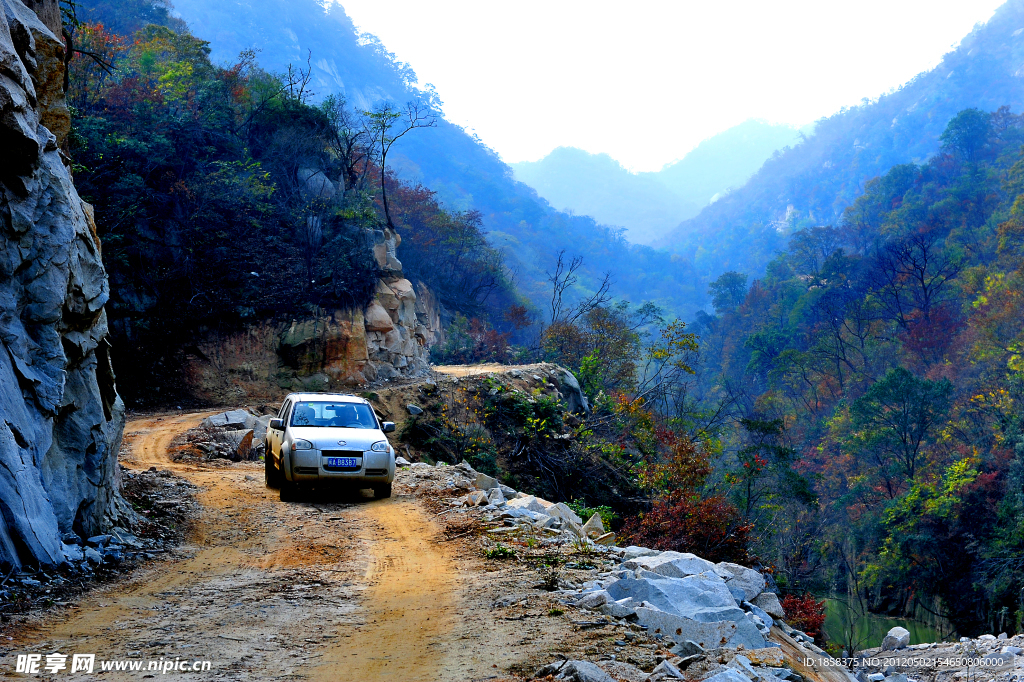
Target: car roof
[(337, 397)]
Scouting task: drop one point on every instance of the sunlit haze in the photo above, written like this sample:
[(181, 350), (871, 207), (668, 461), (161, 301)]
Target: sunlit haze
[(646, 81)]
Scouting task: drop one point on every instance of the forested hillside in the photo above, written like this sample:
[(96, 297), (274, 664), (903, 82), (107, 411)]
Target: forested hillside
[(226, 198), (813, 183), (882, 358), (464, 173), (651, 204)]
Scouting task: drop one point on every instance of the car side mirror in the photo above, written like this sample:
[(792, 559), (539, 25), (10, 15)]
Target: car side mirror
[(387, 427), (276, 424)]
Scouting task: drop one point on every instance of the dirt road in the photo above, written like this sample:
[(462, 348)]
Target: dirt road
[(351, 589)]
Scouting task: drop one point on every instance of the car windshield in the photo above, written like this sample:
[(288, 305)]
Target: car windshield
[(345, 415)]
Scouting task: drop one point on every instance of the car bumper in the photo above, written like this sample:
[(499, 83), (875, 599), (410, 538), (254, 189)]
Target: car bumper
[(307, 466)]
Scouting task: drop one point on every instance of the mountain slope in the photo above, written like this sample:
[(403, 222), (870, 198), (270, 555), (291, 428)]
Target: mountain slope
[(649, 205), (812, 183), (464, 172)]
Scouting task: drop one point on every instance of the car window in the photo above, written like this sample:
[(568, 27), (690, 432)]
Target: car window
[(336, 414)]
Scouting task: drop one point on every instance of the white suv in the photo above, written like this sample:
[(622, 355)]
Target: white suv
[(322, 438)]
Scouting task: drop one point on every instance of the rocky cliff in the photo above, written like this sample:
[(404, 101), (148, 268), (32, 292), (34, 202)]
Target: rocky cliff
[(60, 416), (336, 350)]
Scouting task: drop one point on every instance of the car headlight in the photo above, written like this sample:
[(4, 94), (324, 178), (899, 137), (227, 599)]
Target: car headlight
[(380, 446), (299, 444)]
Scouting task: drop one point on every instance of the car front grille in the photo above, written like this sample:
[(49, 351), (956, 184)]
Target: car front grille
[(307, 470), (376, 472)]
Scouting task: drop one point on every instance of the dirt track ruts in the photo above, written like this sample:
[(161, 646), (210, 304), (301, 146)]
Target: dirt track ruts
[(324, 590)]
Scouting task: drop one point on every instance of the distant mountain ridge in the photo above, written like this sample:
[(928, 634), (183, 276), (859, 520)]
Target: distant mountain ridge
[(464, 172), (812, 183), (648, 205)]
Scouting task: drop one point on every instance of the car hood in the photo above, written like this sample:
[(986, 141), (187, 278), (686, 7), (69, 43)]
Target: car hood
[(330, 438)]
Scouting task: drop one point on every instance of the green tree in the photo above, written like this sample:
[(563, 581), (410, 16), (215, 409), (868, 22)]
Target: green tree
[(966, 134), (893, 421), (728, 291)]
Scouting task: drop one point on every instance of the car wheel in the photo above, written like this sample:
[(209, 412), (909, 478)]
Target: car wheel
[(289, 491), (382, 491), (271, 475)]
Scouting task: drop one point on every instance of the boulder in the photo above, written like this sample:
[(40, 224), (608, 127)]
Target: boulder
[(376, 318), (594, 527), (233, 419), (669, 671), (259, 429), (710, 635), (623, 608), (742, 663), (476, 498), (672, 564), (688, 648), (769, 602), (747, 579), (593, 600), (632, 552), (760, 613), (701, 597), (484, 482), (575, 400), (495, 497), (402, 462), (607, 540), (529, 503), (728, 675), (897, 638), (563, 512), (414, 409)]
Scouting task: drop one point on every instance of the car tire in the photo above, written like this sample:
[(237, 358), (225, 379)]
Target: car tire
[(271, 474), (289, 491), (382, 491)]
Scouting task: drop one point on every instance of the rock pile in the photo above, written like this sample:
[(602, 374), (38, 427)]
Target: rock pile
[(714, 617), (164, 503), (237, 435), (548, 523), (988, 657)]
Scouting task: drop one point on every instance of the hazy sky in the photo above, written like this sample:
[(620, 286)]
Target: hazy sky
[(646, 80)]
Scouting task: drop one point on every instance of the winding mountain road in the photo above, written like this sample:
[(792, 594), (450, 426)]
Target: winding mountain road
[(323, 590)]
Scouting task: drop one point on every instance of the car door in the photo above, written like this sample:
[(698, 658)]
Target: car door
[(275, 436)]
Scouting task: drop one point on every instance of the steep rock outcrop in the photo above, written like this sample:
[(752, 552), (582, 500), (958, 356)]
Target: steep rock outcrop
[(391, 337), (60, 417)]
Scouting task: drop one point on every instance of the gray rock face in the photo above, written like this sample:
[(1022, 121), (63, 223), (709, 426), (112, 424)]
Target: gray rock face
[(703, 598), (769, 601), (671, 564), (574, 397), (747, 579), (60, 416), (234, 419), (710, 635)]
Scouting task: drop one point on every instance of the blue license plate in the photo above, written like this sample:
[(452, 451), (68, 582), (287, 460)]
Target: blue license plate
[(342, 462)]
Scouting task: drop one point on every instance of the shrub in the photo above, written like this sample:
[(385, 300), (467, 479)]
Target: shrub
[(580, 508), (805, 613), (500, 551), (710, 527)]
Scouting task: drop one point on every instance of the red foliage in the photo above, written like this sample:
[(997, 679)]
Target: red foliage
[(805, 613), (711, 528)]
